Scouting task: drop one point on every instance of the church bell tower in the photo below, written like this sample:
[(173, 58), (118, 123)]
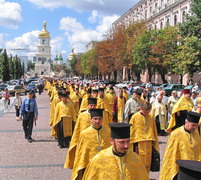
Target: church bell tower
[(43, 48)]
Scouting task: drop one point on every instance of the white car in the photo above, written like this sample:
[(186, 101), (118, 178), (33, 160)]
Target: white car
[(121, 85)]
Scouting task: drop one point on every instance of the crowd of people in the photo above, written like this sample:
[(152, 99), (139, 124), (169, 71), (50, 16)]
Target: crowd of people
[(111, 134)]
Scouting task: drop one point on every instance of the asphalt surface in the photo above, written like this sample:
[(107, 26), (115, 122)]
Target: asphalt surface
[(41, 159)]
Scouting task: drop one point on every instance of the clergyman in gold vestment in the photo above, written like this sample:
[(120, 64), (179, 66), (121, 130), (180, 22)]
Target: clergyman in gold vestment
[(117, 162), (184, 143), (144, 134), (83, 122), (92, 140)]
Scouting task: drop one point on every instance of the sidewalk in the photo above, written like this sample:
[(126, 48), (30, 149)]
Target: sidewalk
[(39, 160)]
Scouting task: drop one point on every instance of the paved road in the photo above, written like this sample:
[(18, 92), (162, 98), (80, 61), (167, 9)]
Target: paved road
[(40, 160)]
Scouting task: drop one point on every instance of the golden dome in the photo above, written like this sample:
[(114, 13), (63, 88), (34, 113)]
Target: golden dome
[(72, 52), (44, 32)]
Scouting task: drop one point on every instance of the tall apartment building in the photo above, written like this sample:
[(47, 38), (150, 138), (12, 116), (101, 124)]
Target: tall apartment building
[(157, 13)]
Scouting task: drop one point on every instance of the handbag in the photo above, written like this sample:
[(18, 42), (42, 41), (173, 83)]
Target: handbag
[(155, 160)]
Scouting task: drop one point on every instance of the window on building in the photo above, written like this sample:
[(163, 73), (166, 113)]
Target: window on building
[(162, 2), (168, 2), (175, 20), (43, 41), (183, 16), (161, 25), (155, 26), (145, 14), (150, 10), (156, 5), (168, 22), (43, 49)]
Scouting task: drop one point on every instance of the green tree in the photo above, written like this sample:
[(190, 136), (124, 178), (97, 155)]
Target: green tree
[(142, 53), (20, 68), (73, 63), (163, 50), (192, 26), (16, 67), (189, 55), (1, 62), (5, 73), (88, 63), (23, 68), (30, 66), (11, 67)]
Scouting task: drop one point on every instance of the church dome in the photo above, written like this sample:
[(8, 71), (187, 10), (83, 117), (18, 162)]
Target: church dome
[(71, 55), (56, 58), (44, 32), (60, 58)]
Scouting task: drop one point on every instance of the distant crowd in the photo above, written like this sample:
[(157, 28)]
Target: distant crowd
[(91, 118)]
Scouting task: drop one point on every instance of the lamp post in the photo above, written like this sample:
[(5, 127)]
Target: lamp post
[(140, 14)]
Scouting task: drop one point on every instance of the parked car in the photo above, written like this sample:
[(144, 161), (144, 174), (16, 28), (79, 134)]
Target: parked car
[(29, 80), (123, 84), (113, 83), (32, 86), (133, 84), (188, 87), (3, 86), (1, 92), (173, 87), (16, 88)]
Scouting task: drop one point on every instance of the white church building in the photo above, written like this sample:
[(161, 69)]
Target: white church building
[(43, 55)]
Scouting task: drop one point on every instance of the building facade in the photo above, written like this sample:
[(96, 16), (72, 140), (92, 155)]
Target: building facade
[(25, 60), (157, 13), (43, 55), (91, 45)]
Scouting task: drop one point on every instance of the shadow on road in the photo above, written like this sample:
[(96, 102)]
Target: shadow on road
[(44, 140), (160, 142)]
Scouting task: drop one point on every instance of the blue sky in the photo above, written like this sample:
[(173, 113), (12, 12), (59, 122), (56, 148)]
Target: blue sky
[(71, 23)]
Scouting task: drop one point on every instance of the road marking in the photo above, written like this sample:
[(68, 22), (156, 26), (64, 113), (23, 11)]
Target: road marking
[(31, 166)]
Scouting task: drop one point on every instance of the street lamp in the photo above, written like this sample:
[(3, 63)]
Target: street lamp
[(140, 14)]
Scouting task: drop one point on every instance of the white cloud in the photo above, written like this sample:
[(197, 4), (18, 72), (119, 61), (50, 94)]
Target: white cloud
[(78, 38), (2, 40), (10, 14), (108, 7), (70, 24), (56, 46), (26, 45), (106, 23), (94, 16), (23, 45)]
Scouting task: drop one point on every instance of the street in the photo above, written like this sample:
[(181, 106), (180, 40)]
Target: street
[(21, 160), (41, 159)]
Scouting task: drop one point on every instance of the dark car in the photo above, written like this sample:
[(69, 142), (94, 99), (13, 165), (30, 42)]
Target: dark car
[(32, 86), (29, 80), (3, 86), (173, 87)]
